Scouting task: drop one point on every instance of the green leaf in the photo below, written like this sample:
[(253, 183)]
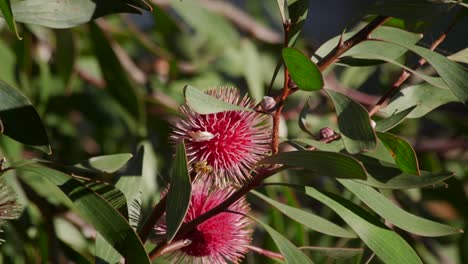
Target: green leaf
[(396, 215), (334, 146), (66, 14), (297, 10), (204, 104), (392, 121), (385, 243), (451, 72), (178, 196), (354, 124), (106, 163), (320, 163), (65, 54), (18, 118), (334, 252), (118, 84), (281, 5), (303, 71), (383, 175), (290, 253), (302, 120), (423, 97), (387, 33), (461, 56), (252, 68), (5, 7), (98, 212), (402, 152), (308, 219)]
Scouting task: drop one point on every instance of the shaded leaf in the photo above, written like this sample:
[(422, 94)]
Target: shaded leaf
[(178, 196), (396, 215), (290, 253), (320, 163), (106, 163), (18, 118), (308, 219), (354, 124), (302, 120), (392, 121), (65, 54), (297, 10), (97, 211), (384, 175), (203, 103), (5, 7), (303, 71), (118, 84), (423, 97), (402, 152), (385, 243)]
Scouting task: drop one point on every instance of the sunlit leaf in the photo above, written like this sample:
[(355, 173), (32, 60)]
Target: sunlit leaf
[(303, 71), (385, 243), (392, 121), (396, 215), (308, 219)]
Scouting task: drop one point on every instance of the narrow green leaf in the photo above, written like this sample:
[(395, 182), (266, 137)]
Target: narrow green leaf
[(423, 97), (65, 54), (451, 72), (178, 196), (334, 252), (396, 215), (385, 243), (402, 152), (118, 84), (392, 121), (98, 212), (461, 56), (106, 163), (18, 118), (252, 67), (302, 120), (303, 71), (281, 5), (297, 10), (289, 251), (203, 103), (354, 124), (5, 7), (308, 219), (387, 33), (320, 163), (384, 175), (334, 146)]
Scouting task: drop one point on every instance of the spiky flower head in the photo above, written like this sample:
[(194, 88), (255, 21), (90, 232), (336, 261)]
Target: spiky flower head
[(9, 207), (224, 146), (223, 238)]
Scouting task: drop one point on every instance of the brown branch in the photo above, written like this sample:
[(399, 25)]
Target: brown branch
[(157, 212), (357, 38), (266, 253), (406, 74)]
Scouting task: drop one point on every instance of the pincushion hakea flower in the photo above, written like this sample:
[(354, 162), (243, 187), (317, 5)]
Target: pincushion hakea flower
[(9, 207), (223, 238), (224, 146)]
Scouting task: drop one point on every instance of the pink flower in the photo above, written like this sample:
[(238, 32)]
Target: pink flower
[(221, 239), (224, 146)]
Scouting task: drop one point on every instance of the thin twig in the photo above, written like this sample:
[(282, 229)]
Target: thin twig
[(406, 74), (157, 212), (266, 253), (359, 37)]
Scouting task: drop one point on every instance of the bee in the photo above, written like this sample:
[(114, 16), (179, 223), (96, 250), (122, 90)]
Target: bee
[(202, 167)]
